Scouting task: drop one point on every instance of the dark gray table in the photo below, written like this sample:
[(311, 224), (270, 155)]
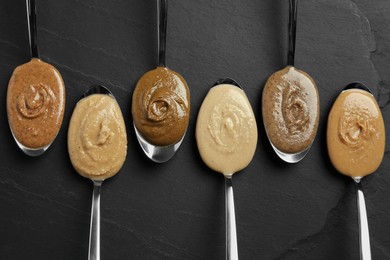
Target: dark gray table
[(176, 210)]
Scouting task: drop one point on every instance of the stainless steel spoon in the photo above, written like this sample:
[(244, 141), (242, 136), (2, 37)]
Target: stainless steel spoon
[(364, 235), (94, 234), (230, 214), (216, 159), (293, 9), (159, 154), (32, 35)]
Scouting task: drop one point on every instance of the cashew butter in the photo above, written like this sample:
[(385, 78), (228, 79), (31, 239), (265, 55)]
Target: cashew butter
[(226, 130), (97, 141)]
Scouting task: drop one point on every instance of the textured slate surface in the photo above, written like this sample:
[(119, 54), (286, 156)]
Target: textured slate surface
[(176, 210)]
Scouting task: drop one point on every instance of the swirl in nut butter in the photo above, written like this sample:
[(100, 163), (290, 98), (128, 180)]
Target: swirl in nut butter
[(97, 141), (355, 134), (290, 110), (35, 103), (161, 106), (226, 130)]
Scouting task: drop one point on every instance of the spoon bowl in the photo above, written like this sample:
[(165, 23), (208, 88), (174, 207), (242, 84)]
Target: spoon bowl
[(159, 131), (158, 154)]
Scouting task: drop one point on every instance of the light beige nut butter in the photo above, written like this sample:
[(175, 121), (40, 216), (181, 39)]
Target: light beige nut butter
[(290, 106), (35, 103), (97, 141), (161, 106), (356, 133), (226, 130)]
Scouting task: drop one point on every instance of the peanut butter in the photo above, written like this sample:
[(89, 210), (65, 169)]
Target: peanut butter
[(35, 103), (356, 133), (97, 141)]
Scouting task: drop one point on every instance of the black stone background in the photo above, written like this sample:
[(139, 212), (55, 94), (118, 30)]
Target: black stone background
[(176, 210)]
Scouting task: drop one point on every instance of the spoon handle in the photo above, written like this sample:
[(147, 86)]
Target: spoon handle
[(32, 27), (94, 233), (162, 30), (231, 233), (364, 235), (292, 31)]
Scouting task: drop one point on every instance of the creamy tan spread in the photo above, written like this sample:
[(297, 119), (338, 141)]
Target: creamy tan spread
[(35, 103), (226, 130), (291, 110), (97, 141), (161, 106), (356, 133)]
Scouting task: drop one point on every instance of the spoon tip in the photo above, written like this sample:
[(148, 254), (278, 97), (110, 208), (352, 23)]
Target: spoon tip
[(357, 85), (227, 81), (97, 89)]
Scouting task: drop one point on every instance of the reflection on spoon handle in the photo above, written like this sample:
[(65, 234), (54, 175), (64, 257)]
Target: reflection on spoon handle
[(162, 30), (231, 233), (32, 27), (365, 249), (94, 233), (292, 31)]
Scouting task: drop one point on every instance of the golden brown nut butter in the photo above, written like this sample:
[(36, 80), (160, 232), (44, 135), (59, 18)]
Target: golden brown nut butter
[(226, 130), (35, 103), (161, 106), (290, 106), (356, 133), (97, 141)]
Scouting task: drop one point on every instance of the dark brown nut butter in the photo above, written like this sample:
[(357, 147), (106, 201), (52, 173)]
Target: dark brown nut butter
[(161, 106), (35, 103), (290, 110)]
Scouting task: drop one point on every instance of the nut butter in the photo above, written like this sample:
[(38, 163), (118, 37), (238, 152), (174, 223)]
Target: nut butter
[(226, 130), (35, 103), (161, 106), (355, 133), (290, 106), (97, 141)]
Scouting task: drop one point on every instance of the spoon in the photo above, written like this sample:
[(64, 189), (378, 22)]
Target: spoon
[(46, 89), (74, 128), (364, 235), (226, 135), (291, 118), (366, 123), (157, 149)]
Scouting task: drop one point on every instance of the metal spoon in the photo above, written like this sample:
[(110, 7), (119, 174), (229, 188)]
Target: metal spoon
[(94, 234), (231, 232), (364, 235), (32, 35), (230, 214), (293, 6), (157, 153)]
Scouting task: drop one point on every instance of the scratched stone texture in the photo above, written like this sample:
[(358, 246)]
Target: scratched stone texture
[(176, 210)]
